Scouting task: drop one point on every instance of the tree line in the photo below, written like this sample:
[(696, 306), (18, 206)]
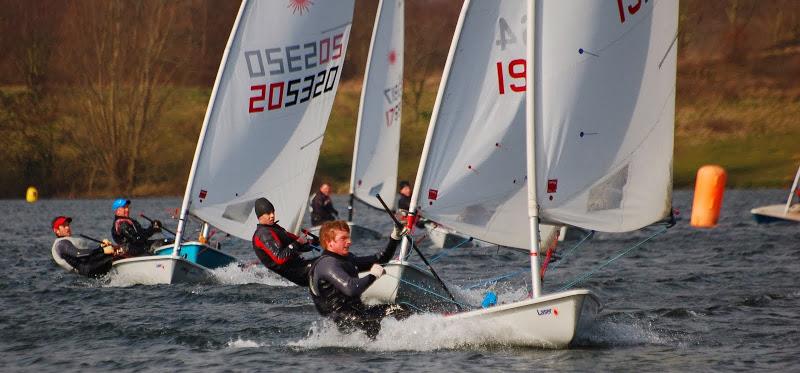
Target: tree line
[(93, 93)]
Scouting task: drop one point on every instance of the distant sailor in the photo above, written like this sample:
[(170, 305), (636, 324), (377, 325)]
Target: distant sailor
[(404, 202), (128, 233), (336, 288), (322, 207), (93, 262), (278, 249)]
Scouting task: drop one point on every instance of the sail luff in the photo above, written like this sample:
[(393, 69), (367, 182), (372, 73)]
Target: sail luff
[(432, 124), (193, 170), (531, 95)]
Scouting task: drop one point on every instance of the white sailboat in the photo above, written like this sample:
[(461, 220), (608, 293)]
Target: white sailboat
[(377, 142), (789, 212), (588, 143), (262, 130)]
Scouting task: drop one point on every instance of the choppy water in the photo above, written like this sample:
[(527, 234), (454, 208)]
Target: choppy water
[(721, 299)]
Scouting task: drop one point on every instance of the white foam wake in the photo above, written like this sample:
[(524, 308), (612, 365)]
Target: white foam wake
[(243, 343), (254, 274)]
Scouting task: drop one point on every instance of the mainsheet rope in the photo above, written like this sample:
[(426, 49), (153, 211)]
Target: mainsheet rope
[(590, 273), (517, 273)]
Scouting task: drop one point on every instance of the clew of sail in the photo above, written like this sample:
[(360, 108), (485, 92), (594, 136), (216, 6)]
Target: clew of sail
[(604, 126), (377, 143), (268, 112)]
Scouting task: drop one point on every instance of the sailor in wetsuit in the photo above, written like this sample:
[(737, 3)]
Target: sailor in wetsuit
[(128, 233), (336, 288), (278, 249), (322, 207), (93, 262)]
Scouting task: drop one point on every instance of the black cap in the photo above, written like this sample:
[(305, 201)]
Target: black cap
[(404, 184), (263, 206)]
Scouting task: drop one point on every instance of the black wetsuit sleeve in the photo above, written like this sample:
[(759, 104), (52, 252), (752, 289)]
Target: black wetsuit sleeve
[(135, 242), (264, 241), (66, 248), (363, 263), (332, 272)]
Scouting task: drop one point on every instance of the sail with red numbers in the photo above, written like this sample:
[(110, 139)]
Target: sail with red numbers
[(268, 112)]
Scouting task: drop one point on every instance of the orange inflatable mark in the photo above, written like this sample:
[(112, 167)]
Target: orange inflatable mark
[(708, 190)]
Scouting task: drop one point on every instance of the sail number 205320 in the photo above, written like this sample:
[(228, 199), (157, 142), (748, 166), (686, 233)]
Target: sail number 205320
[(311, 61)]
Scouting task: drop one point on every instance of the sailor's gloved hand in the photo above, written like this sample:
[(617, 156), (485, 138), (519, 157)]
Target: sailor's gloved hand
[(398, 232), (105, 243), (377, 270), (157, 225)]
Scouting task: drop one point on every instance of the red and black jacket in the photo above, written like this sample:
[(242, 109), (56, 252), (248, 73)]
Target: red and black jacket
[(279, 251)]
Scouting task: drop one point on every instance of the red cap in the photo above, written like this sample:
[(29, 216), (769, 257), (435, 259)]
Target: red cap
[(61, 220)]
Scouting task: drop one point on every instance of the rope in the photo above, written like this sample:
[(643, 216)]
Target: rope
[(446, 251), (446, 299), (572, 249), (496, 279), (588, 274), (569, 252)]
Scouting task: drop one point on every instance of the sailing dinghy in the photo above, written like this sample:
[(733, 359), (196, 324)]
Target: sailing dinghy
[(261, 133), (788, 212), (377, 143), (588, 143)]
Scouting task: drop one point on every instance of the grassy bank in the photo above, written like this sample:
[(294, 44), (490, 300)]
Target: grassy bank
[(743, 120)]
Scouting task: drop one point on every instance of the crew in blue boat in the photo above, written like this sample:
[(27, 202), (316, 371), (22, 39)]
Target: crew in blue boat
[(92, 262), (322, 207), (336, 287), (277, 249), (128, 233)]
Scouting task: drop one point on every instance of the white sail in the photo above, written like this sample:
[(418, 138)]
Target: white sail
[(608, 109), (604, 122), (268, 112), (377, 143)]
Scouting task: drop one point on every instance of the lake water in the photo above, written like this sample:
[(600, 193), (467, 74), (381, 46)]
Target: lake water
[(722, 299)]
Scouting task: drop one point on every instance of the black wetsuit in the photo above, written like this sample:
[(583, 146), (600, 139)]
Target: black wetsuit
[(336, 290), (129, 233), (322, 209), (88, 262), (279, 251), (404, 202)]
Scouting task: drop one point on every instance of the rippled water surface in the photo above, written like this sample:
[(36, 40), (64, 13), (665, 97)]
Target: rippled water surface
[(719, 299)]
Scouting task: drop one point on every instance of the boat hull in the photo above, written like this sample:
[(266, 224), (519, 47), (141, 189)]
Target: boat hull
[(550, 321), (193, 264), (775, 213), (418, 289)]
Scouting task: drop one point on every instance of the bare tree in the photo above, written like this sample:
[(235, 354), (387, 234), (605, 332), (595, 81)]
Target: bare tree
[(123, 71)]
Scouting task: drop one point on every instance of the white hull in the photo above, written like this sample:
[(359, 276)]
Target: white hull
[(159, 270), (776, 213), (550, 321), (425, 294)]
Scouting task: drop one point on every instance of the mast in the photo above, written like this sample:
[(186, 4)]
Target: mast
[(359, 123), (412, 209), (791, 192), (533, 77), (203, 130)]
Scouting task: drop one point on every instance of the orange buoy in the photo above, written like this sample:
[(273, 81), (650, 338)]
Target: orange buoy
[(708, 190)]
